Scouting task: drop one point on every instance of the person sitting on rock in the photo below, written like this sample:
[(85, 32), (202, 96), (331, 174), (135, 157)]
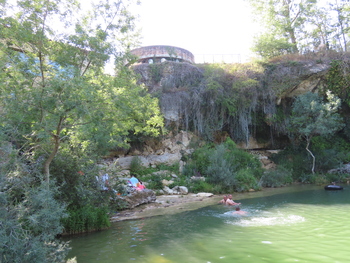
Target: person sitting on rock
[(140, 186), (133, 181), (229, 201), (103, 181)]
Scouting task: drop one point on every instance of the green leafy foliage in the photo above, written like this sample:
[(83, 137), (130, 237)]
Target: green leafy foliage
[(225, 167), (199, 161), (293, 159), (136, 166), (196, 186), (29, 211), (53, 85), (277, 178), (85, 219), (312, 116), (155, 182), (268, 46), (300, 26), (61, 111), (247, 180), (338, 80), (28, 229), (156, 72)]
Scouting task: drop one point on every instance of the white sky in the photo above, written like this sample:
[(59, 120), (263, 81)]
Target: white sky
[(199, 26)]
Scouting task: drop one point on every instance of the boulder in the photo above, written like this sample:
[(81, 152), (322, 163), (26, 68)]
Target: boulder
[(174, 176), (150, 160), (167, 182), (137, 198), (166, 158), (123, 173), (204, 194), (162, 172), (345, 169), (167, 190), (124, 162), (180, 190)]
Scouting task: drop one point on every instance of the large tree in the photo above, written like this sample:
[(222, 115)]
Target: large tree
[(301, 26), (312, 116), (342, 23), (283, 20), (52, 85)]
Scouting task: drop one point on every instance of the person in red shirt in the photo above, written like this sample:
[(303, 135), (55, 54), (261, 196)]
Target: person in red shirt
[(140, 186)]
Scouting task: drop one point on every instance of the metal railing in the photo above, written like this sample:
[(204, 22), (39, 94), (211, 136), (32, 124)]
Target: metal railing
[(217, 58)]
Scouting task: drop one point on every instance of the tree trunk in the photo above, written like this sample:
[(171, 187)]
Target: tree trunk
[(291, 29), (313, 157), (57, 140), (342, 30)]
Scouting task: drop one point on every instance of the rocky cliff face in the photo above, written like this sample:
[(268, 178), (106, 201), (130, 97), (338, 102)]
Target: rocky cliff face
[(215, 102), (307, 76), (240, 101)]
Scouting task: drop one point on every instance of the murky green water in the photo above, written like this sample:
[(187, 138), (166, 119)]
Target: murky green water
[(304, 224)]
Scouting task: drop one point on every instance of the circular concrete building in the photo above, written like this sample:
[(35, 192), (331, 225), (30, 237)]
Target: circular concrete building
[(158, 54)]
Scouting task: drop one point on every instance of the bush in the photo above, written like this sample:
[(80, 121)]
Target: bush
[(276, 178), (86, 218), (221, 165), (199, 161), (321, 179), (220, 171), (30, 216), (182, 180), (197, 186), (28, 229), (336, 177), (155, 183), (76, 178), (295, 160), (246, 180), (136, 165)]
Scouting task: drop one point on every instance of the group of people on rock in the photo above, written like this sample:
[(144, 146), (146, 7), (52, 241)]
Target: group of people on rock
[(133, 183), (136, 183), (227, 200)]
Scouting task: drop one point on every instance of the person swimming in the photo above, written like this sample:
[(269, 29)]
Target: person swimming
[(238, 211), (223, 200), (229, 201)]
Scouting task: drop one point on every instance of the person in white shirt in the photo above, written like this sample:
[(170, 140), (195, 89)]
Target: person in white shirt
[(103, 182)]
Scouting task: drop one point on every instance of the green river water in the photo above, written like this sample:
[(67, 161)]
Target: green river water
[(296, 224)]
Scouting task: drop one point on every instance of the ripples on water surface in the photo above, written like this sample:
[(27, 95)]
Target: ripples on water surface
[(311, 225)]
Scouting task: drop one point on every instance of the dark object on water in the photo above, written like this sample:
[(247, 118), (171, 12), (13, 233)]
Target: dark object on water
[(333, 187)]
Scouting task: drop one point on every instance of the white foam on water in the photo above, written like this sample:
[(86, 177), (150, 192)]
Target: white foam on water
[(269, 221)]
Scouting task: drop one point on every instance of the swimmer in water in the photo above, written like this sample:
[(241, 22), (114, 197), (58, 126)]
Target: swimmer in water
[(239, 211), (229, 201), (223, 201)]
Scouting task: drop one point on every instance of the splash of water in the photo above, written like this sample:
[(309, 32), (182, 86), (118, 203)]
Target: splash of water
[(269, 221)]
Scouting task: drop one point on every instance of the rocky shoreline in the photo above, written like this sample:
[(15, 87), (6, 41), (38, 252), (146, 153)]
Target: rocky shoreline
[(172, 204), (167, 204)]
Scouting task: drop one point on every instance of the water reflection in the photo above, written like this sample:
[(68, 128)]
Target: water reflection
[(305, 225)]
